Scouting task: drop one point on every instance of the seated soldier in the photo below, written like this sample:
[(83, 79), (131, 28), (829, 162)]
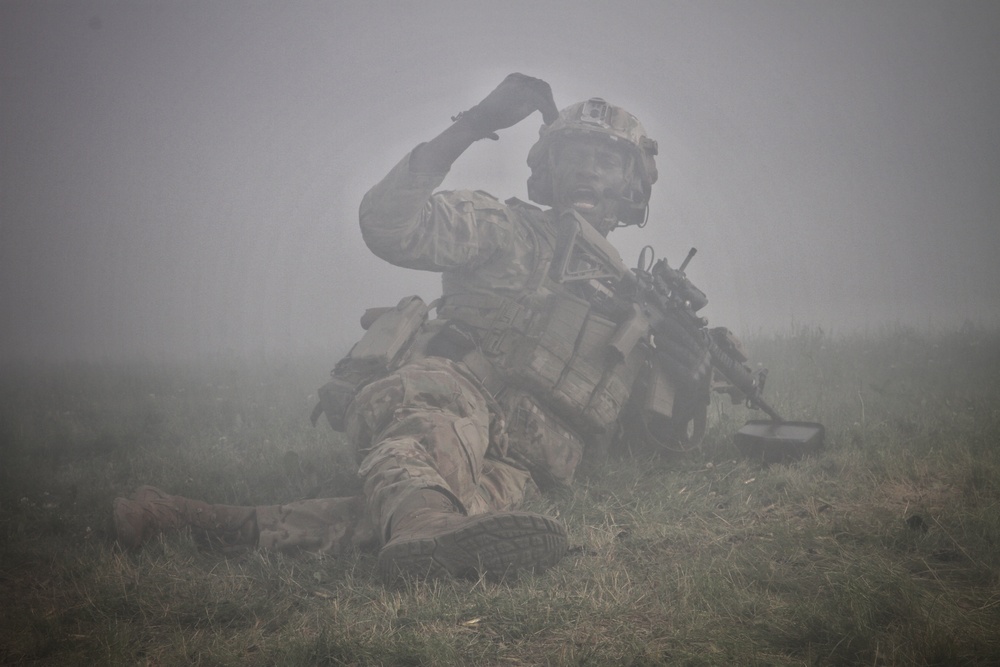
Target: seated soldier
[(498, 394)]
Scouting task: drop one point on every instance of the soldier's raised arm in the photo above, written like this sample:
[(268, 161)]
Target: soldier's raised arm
[(397, 222), (517, 97)]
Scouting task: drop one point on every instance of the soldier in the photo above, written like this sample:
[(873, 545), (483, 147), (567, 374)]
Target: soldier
[(497, 395)]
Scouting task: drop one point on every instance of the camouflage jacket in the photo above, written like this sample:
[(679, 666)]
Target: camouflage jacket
[(538, 337), (467, 235)]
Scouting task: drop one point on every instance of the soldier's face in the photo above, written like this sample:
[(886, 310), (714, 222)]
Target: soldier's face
[(589, 176)]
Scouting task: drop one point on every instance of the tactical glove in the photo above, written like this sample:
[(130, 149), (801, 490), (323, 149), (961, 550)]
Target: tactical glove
[(517, 97)]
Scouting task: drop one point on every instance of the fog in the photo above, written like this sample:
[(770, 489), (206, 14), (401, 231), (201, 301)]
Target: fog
[(182, 179)]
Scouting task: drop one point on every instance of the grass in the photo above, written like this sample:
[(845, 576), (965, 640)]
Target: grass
[(882, 550)]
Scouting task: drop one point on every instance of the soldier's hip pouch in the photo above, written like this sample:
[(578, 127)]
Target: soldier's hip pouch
[(389, 332)]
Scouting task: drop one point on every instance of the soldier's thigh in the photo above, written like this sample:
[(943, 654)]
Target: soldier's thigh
[(430, 387)]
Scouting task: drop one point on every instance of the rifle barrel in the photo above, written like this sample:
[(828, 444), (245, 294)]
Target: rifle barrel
[(740, 378)]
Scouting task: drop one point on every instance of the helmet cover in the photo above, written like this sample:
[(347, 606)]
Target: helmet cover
[(595, 117)]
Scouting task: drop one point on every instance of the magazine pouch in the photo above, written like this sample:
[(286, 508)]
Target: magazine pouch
[(388, 335)]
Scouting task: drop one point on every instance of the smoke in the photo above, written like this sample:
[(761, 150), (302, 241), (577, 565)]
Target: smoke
[(182, 179)]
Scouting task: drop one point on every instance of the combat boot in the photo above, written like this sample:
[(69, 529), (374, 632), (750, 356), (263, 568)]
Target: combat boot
[(429, 537), (151, 512)]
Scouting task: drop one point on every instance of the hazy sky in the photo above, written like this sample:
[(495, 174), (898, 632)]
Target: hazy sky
[(183, 178)]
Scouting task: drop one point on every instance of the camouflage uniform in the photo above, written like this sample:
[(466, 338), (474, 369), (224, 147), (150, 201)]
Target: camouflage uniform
[(500, 394), (466, 426)]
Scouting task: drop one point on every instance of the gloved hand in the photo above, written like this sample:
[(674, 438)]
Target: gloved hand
[(517, 97)]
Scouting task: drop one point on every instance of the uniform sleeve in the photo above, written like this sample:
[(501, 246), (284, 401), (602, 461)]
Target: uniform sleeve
[(405, 224)]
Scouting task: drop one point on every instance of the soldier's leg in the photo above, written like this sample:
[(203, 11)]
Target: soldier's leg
[(423, 427), (332, 526), (326, 525), (150, 512), (502, 487), (422, 435)]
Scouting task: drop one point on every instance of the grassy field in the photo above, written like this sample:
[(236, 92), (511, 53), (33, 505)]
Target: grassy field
[(882, 550)]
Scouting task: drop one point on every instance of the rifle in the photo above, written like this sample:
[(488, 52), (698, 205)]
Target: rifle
[(659, 304), (673, 298)]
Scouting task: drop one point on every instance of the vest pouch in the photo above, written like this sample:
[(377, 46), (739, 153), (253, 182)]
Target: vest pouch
[(660, 391), (666, 416), (388, 336), (386, 339), (568, 361)]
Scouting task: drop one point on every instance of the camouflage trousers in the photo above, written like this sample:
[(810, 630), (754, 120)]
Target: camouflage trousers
[(332, 526), (428, 425)]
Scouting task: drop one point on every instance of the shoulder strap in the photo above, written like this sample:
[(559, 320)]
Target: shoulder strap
[(542, 238)]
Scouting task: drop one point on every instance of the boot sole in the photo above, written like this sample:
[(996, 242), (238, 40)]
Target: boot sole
[(496, 545)]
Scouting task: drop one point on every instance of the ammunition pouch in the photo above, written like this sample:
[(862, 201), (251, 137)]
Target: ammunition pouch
[(575, 361), (388, 336), (668, 411), (569, 362)]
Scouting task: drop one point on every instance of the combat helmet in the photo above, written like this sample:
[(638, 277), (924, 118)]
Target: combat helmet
[(595, 117)]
